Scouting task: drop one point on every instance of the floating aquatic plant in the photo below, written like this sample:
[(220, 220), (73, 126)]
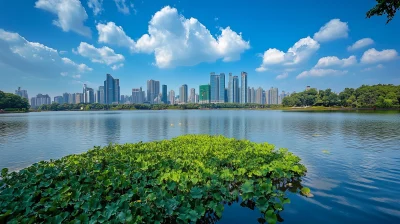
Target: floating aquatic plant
[(190, 178)]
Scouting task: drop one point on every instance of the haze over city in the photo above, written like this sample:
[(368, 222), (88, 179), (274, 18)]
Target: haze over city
[(52, 47)]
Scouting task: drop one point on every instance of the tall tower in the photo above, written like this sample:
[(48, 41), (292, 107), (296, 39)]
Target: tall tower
[(243, 95), (214, 87), (221, 88), (111, 90), (183, 94), (153, 90), (164, 94)]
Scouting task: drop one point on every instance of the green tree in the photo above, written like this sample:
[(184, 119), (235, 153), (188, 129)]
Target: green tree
[(388, 7)]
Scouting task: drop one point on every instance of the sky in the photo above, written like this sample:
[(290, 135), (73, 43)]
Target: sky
[(56, 46)]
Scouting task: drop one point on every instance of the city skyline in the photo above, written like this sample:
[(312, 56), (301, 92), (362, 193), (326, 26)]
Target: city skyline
[(324, 45)]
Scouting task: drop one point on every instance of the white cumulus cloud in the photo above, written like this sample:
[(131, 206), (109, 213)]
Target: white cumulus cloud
[(335, 61), (282, 76), (118, 66), (96, 6), (71, 15), (320, 73), (34, 58), (374, 56), (334, 29), (103, 55), (296, 54), (360, 44), (112, 34)]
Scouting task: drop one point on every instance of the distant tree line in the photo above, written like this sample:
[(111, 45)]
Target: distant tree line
[(12, 102), (97, 106), (380, 96)]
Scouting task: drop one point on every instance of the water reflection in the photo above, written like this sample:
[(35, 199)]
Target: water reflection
[(357, 182)]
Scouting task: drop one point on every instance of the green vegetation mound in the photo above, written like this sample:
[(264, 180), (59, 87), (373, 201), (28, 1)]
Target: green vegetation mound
[(186, 179)]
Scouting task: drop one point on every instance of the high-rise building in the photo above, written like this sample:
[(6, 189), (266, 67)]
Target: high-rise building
[(172, 97), (259, 96), (221, 89), (273, 95), (65, 97), (40, 100), (233, 89), (153, 90), (78, 98), (21, 93), (58, 99), (243, 95), (214, 87), (88, 94), (192, 96), (111, 90), (204, 94), (196, 98), (249, 99), (138, 95), (253, 94), (183, 94), (100, 97), (267, 97), (164, 98)]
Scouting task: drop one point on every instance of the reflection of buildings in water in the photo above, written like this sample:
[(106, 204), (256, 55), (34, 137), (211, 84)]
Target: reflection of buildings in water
[(110, 128)]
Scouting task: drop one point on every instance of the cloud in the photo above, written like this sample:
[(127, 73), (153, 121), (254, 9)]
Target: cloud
[(177, 41), (122, 7), (372, 68), (360, 44), (334, 29), (261, 69), (335, 61), (76, 76), (96, 6), (373, 56), (104, 55), (71, 15), (62, 52), (116, 67), (282, 76), (320, 73), (298, 53), (216, 19), (32, 58), (113, 34)]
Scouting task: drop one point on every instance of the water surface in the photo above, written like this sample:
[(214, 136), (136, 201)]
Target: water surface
[(353, 159)]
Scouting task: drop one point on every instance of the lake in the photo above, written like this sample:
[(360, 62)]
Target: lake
[(353, 159)]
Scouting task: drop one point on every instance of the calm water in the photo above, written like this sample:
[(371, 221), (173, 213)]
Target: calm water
[(357, 182)]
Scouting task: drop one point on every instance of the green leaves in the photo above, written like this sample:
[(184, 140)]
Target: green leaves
[(196, 192), (247, 187), (180, 180)]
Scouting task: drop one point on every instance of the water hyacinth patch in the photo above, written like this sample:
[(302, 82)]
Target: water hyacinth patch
[(187, 179)]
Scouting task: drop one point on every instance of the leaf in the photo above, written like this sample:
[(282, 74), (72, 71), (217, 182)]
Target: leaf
[(262, 204), (196, 192), (305, 190), (219, 210), (247, 187)]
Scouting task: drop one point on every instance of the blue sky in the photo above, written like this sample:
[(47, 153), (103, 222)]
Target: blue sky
[(55, 46)]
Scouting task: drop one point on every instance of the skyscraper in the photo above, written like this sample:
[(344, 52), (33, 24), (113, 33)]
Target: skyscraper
[(183, 94), (267, 97), (21, 93), (196, 98), (273, 95), (138, 95), (192, 96), (172, 97), (65, 97), (58, 99), (153, 90), (40, 100), (236, 90), (214, 87), (78, 98), (88, 94), (204, 94), (111, 90), (252, 95), (243, 95), (221, 89), (259, 96), (249, 99), (100, 95), (164, 94)]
